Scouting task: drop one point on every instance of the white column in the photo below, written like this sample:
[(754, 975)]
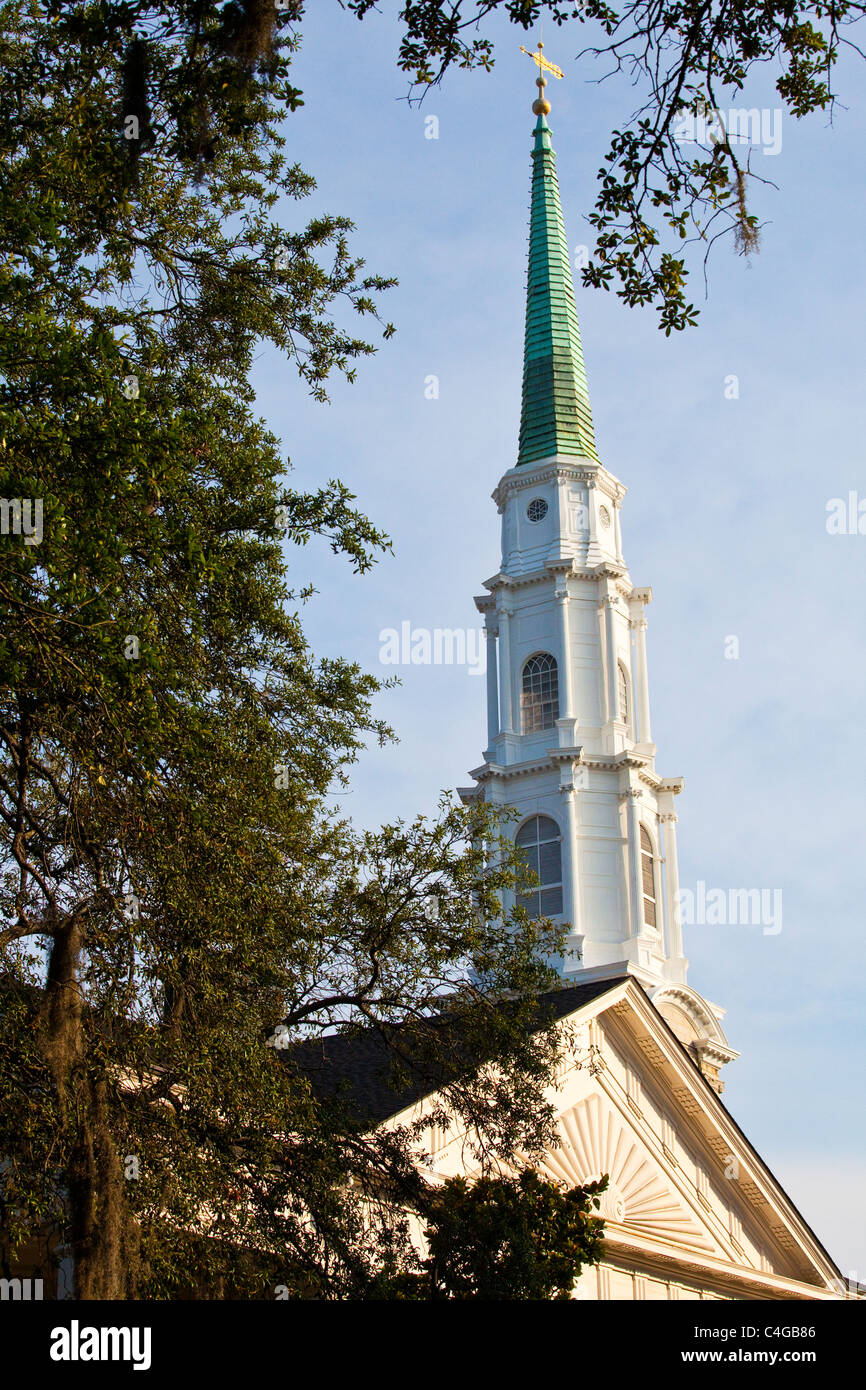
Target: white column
[(602, 654), (639, 626), (506, 683), (558, 549), (609, 602), (672, 886), (617, 528), (593, 553), (570, 838), (492, 687), (634, 859), (567, 677)]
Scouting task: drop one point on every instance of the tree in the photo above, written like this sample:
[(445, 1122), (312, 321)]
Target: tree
[(172, 886), (518, 1237), (689, 60)]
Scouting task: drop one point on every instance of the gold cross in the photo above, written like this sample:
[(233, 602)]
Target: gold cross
[(542, 61)]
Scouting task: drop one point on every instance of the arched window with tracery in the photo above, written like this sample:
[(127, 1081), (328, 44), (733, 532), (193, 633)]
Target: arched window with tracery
[(539, 695), (648, 877), (540, 844)]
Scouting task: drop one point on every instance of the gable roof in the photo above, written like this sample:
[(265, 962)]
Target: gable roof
[(359, 1065)]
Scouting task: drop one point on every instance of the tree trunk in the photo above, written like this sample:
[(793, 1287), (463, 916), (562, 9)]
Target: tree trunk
[(102, 1236)]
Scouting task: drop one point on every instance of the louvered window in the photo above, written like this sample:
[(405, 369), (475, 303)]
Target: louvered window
[(649, 878), (539, 697), (540, 844), (623, 694)]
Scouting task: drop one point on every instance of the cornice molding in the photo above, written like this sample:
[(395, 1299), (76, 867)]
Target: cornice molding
[(623, 1248), (566, 568), (630, 760), (577, 468), (701, 1014)]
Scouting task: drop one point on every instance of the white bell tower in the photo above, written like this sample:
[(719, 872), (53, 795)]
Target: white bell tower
[(569, 741)]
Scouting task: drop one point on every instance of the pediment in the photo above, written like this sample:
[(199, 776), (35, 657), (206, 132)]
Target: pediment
[(594, 1138), (683, 1177), (687, 1191)]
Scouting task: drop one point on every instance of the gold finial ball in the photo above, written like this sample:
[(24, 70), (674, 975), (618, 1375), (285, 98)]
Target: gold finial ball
[(541, 107)]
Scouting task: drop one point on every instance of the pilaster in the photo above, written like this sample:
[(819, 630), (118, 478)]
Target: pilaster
[(505, 613), (565, 663), (491, 632)]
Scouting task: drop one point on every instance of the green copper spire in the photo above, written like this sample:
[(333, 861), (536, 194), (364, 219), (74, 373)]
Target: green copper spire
[(555, 417)]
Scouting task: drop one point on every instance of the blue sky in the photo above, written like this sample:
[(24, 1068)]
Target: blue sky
[(725, 518)]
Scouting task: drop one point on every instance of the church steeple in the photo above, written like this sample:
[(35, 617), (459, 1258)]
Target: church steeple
[(555, 417), (569, 745)]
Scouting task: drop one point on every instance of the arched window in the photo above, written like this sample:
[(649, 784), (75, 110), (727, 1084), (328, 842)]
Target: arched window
[(540, 844), (623, 694), (539, 698), (647, 864)]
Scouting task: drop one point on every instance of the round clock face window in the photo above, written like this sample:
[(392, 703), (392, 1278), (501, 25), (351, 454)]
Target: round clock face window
[(537, 509), (604, 517)]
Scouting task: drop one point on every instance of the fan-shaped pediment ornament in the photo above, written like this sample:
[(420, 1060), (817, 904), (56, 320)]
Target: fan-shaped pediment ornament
[(594, 1140)]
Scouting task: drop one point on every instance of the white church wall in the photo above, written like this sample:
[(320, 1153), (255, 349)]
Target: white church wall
[(600, 869), (587, 670)]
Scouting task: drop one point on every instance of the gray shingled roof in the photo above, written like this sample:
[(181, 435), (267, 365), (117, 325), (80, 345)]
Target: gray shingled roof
[(358, 1066)]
